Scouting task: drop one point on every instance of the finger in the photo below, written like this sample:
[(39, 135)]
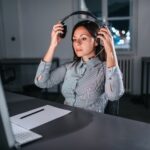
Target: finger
[(105, 29), (56, 33), (59, 32), (57, 26), (58, 29), (108, 29), (101, 37), (103, 34), (59, 23)]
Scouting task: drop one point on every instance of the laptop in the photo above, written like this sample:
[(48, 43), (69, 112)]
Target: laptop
[(11, 134)]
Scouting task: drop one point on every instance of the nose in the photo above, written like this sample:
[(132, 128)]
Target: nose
[(78, 42)]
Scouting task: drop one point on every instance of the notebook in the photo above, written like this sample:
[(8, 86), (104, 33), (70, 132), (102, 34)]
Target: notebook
[(22, 135)]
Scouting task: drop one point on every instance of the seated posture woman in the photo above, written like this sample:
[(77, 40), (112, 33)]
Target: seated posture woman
[(93, 77)]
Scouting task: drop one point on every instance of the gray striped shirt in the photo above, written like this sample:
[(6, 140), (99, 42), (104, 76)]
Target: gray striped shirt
[(87, 85)]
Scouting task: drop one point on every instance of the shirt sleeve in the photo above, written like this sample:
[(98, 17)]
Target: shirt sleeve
[(114, 87), (45, 78)]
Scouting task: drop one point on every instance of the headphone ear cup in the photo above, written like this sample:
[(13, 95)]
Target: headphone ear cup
[(64, 31), (98, 41)]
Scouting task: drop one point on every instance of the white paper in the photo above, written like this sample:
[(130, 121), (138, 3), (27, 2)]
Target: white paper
[(48, 114)]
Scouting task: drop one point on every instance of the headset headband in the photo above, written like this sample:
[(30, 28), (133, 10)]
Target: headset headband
[(80, 12), (75, 13)]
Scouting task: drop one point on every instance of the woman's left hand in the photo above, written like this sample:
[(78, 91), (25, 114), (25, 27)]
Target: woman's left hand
[(105, 36)]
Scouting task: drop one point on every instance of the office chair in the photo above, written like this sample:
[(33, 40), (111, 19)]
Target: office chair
[(112, 108), (8, 74)]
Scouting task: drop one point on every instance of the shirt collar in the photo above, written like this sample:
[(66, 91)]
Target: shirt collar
[(90, 63)]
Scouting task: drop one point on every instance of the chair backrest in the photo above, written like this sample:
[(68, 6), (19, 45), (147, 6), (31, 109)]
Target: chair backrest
[(112, 107)]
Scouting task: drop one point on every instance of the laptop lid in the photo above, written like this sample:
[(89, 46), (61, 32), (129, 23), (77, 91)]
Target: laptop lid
[(7, 139)]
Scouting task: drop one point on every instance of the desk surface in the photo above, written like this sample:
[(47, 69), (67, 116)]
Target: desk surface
[(19, 61), (84, 130)]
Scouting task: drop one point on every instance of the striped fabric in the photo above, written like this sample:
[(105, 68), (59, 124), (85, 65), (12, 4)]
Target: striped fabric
[(87, 85)]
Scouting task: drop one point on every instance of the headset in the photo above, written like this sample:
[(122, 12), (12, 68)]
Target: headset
[(76, 13), (87, 13)]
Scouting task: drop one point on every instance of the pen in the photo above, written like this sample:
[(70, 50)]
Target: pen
[(32, 113)]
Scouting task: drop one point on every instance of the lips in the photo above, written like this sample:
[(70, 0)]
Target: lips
[(78, 50)]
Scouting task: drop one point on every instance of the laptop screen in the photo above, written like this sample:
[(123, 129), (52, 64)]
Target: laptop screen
[(7, 139)]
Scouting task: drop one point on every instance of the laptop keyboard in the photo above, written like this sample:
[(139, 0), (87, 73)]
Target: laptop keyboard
[(23, 135)]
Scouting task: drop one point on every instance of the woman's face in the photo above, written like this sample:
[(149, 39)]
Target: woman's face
[(83, 43)]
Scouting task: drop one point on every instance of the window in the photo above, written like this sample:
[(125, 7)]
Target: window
[(117, 15)]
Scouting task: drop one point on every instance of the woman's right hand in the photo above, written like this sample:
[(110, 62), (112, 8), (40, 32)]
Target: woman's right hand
[(55, 38)]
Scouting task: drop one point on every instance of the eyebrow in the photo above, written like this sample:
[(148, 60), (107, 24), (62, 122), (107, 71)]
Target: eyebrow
[(81, 35)]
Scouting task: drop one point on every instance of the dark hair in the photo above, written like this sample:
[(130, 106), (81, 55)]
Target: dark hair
[(92, 27)]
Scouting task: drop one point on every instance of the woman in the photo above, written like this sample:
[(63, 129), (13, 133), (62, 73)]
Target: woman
[(93, 77)]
